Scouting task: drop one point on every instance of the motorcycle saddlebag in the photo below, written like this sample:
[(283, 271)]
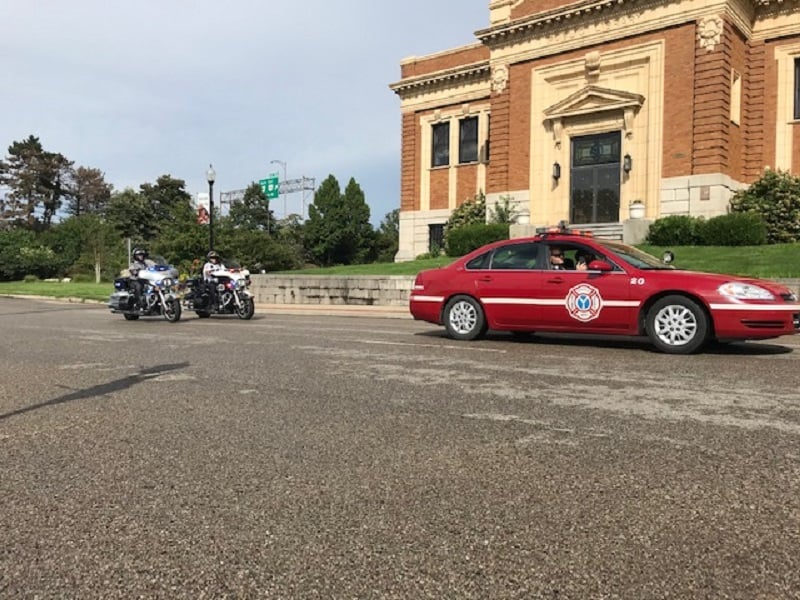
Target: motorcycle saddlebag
[(120, 301)]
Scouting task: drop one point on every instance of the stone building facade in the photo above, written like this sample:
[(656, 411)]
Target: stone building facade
[(574, 110)]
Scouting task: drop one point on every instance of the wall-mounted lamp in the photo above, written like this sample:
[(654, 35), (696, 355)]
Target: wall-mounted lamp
[(627, 163), (556, 171)]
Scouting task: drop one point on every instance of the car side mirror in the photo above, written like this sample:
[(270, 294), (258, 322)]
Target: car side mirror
[(600, 265), (667, 257)]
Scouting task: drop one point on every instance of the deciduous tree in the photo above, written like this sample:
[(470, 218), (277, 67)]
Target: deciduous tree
[(89, 192), (252, 211)]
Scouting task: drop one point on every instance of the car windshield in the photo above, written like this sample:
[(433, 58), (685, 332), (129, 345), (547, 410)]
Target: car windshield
[(635, 257)]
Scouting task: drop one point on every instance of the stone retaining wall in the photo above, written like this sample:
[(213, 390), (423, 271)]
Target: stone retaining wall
[(364, 290)]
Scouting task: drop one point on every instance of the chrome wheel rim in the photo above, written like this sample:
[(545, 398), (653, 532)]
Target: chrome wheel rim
[(675, 325), (463, 317)]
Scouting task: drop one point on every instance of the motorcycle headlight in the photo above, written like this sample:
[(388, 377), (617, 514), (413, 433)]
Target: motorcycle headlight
[(166, 282), (744, 291)]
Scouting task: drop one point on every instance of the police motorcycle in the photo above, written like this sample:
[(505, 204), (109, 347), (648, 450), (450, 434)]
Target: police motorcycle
[(159, 295), (230, 294)]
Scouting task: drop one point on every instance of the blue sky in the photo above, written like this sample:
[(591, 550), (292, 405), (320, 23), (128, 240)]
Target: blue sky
[(140, 89)]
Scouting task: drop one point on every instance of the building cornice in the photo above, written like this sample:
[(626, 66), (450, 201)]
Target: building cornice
[(559, 30), (498, 34), (470, 72), (587, 10)]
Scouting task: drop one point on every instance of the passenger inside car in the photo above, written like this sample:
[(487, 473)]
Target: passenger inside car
[(558, 259), (583, 258)]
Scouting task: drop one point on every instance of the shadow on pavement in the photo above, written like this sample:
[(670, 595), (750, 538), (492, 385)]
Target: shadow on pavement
[(101, 389)]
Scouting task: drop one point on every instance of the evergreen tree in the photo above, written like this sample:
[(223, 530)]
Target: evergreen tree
[(38, 180), (387, 238), (360, 232), (338, 229)]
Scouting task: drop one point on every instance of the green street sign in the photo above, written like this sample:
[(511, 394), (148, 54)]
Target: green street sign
[(270, 185)]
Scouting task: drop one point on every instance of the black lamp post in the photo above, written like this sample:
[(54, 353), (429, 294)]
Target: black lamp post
[(211, 175)]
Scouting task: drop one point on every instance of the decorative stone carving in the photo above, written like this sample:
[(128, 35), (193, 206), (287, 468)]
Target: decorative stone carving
[(592, 62), (558, 129), (709, 32), (627, 119), (499, 78)]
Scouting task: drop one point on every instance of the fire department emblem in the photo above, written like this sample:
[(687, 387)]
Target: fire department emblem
[(584, 302)]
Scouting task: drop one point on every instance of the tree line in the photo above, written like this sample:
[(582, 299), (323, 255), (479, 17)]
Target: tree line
[(59, 220)]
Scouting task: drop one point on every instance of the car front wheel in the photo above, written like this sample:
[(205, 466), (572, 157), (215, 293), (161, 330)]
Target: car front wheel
[(677, 325), (464, 318)]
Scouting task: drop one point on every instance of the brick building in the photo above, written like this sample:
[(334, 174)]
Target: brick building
[(575, 109)]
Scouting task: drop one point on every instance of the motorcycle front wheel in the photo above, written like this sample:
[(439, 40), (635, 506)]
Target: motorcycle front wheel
[(172, 310), (246, 309)]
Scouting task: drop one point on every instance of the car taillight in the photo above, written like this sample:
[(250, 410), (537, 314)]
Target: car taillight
[(418, 283)]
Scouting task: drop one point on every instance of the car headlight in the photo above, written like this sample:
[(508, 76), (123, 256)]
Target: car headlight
[(745, 291)]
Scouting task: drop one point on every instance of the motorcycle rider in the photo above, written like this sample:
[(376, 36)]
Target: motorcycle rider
[(140, 262), (213, 264)]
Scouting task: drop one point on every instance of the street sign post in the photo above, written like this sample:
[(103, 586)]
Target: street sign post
[(270, 186)]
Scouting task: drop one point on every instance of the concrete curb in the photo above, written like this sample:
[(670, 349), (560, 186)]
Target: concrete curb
[(339, 310)]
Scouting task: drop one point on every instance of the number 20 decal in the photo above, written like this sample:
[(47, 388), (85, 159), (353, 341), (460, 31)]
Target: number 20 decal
[(637, 281)]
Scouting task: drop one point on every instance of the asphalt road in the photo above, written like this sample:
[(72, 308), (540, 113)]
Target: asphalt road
[(350, 457)]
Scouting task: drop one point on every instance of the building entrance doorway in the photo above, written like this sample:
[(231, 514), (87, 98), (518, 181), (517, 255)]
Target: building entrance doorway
[(595, 178)]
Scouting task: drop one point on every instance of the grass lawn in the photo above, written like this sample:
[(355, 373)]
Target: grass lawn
[(768, 262), (54, 289), (775, 261)]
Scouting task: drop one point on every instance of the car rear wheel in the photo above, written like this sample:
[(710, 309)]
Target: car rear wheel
[(464, 318), (677, 325)]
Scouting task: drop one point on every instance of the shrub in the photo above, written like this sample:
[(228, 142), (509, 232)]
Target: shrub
[(675, 230), (776, 198), (504, 211), (82, 278), (30, 279), (469, 212), (734, 229), (465, 239)]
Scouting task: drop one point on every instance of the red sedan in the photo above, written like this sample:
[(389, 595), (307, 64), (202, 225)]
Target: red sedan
[(562, 281)]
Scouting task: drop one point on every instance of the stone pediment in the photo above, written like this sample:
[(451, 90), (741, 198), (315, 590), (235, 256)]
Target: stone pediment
[(593, 99)]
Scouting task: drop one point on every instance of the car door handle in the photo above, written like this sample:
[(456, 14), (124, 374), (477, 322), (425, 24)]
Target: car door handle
[(556, 280), (485, 278)]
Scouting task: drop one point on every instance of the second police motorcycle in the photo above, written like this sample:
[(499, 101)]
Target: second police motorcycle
[(223, 290)]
